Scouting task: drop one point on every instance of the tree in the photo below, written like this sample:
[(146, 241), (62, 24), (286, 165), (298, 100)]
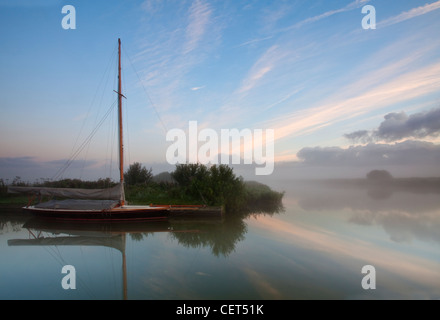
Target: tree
[(137, 174), (216, 185), (379, 175)]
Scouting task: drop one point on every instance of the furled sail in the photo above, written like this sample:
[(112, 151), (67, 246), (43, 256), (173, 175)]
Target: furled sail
[(73, 193), (78, 204)]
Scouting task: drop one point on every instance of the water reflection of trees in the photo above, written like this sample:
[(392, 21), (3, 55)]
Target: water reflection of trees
[(220, 236), (11, 220)]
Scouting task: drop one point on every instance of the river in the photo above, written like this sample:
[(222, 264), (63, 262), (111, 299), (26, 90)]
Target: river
[(329, 242)]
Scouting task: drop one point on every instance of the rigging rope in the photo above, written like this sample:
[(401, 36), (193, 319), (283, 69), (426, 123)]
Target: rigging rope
[(75, 154), (95, 96), (61, 171)]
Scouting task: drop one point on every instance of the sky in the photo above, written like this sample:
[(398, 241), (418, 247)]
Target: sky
[(341, 99)]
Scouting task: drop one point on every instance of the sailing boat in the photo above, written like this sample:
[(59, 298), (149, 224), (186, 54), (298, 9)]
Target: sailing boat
[(100, 204)]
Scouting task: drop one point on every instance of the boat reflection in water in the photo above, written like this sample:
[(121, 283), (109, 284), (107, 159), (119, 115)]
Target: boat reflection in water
[(49, 232), (219, 234)]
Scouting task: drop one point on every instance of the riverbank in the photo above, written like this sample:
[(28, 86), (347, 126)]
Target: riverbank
[(255, 197), (188, 184)]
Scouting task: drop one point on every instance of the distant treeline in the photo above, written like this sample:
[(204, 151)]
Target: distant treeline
[(64, 183), (384, 180)]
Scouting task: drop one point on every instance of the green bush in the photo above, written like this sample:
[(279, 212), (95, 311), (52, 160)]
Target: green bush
[(216, 185), (137, 174)]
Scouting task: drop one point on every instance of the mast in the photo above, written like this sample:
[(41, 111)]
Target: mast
[(121, 146)]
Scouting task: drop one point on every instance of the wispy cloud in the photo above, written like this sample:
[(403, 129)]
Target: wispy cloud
[(178, 48), (379, 87), (199, 17), (197, 88), (408, 86), (151, 6), (260, 68), (30, 3), (272, 18), (410, 14), (253, 41), (351, 6), (279, 54), (283, 99)]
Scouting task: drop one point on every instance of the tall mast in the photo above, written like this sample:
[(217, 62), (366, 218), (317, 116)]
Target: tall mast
[(121, 146)]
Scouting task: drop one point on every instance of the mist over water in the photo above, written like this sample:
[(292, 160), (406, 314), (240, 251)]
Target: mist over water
[(314, 248)]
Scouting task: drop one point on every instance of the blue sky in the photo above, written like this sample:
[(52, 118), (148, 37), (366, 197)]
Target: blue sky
[(306, 69)]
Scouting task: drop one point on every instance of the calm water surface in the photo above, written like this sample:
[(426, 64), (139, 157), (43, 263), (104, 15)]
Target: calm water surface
[(315, 249)]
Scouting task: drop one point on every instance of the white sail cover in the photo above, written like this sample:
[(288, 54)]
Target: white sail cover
[(72, 193), (78, 204)]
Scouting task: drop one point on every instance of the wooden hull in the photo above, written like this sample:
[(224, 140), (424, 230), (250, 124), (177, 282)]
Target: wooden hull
[(124, 213), (129, 213)]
